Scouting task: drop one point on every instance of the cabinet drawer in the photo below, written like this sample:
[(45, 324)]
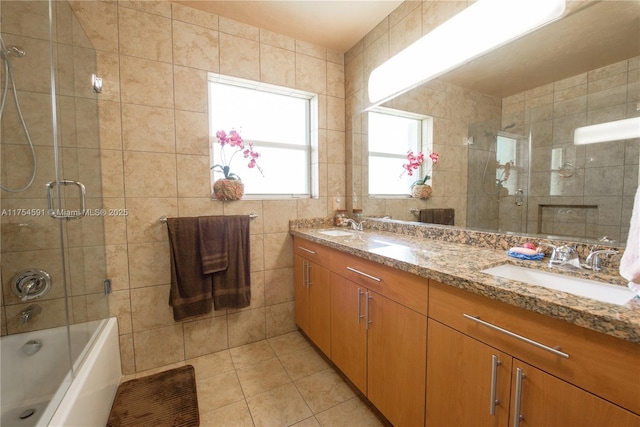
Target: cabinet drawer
[(312, 251), (399, 286), (604, 365)]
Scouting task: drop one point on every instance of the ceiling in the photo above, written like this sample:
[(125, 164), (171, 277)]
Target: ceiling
[(334, 24)]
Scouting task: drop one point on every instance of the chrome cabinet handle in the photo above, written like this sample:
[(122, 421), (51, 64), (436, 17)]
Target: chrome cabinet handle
[(304, 273), (368, 297), (364, 274), (309, 274), (72, 214), (517, 417), (519, 337), (360, 316), (494, 382), (307, 250)]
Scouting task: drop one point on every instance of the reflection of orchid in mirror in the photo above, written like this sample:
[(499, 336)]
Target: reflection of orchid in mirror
[(415, 161), (234, 140)]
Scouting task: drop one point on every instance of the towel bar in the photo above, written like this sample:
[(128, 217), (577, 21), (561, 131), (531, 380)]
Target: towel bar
[(163, 219)]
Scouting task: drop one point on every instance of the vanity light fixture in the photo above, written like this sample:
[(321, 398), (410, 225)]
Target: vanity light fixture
[(479, 28), (610, 131)]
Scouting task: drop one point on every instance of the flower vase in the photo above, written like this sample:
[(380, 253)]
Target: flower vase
[(228, 189), (421, 191)]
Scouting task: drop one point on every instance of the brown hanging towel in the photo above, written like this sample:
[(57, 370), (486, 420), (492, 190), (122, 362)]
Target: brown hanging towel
[(232, 285), (191, 292)]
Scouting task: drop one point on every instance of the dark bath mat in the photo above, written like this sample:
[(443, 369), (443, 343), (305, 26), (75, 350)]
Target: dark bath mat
[(164, 399)]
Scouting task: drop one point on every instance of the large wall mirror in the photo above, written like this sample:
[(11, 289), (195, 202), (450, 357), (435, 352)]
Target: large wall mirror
[(503, 125)]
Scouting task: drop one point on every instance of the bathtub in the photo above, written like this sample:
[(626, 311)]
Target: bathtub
[(42, 382)]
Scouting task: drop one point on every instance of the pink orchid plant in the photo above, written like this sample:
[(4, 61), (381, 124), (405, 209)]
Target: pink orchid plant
[(415, 161), (235, 141)]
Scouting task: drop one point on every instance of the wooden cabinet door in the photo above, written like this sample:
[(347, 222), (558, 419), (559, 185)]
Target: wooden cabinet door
[(319, 307), (460, 380), (301, 292), (541, 399), (348, 330), (396, 358)]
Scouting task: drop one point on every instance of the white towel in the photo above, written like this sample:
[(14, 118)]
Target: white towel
[(630, 262)]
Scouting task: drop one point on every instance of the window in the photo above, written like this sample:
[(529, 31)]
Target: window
[(276, 121), (391, 135)]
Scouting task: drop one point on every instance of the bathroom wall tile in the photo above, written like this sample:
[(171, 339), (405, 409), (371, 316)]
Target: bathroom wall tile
[(156, 7), (335, 57), (78, 310), (335, 80), (335, 146), (200, 206), (354, 75), (195, 46), (33, 71), (194, 16), (190, 90), (608, 71), (405, 9), (53, 314), (278, 249), (114, 225), (158, 347), (603, 181), (192, 132), (120, 307), (280, 319), (112, 170), (117, 266), (277, 66), (246, 326), (146, 82), (247, 207), (380, 31), (239, 57), (194, 179), (276, 40), (435, 13), (310, 49), (107, 67), (335, 113), (148, 128), (205, 336), (97, 23), (149, 264), (311, 74), (47, 260), (278, 285), (33, 233), (148, 174), (607, 98), (312, 208), (407, 29), (127, 360), (26, 18), (143, 220), (150, 308), (144, 35), (257, 291), (277, 214), (239, 29), (256, 242), (36, 108)]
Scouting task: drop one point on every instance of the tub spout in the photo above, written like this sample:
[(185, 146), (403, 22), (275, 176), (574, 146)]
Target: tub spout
[(29, 312)]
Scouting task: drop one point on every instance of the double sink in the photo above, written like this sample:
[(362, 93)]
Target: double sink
[(599, 291)]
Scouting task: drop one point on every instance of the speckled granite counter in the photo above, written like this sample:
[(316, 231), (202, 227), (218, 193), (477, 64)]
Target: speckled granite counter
[(459, 265)]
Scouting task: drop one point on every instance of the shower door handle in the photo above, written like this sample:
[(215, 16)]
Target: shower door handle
[(66, 214), (519, 197)]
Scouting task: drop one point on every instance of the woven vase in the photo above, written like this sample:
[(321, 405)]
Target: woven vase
[(421, 191), (228, 189)]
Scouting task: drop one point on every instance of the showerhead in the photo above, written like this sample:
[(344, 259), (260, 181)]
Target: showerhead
[(13, 50)]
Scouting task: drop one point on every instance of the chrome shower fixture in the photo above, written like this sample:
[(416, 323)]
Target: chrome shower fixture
[(13, 50)]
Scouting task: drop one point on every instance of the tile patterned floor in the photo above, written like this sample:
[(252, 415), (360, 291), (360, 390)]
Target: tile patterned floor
[(279, 381)]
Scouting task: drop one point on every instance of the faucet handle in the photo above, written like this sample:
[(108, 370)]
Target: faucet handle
[(594, 262)]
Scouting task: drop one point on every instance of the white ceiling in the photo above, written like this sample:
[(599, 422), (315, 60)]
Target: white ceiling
[(334, 24)]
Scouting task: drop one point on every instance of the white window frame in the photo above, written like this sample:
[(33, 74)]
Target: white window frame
[(310, 146), (425, 144)]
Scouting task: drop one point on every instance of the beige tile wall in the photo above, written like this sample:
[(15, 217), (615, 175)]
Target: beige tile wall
[(154, 58)]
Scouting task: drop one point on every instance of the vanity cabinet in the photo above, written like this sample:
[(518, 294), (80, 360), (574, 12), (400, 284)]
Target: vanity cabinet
[(541, 371), (377, 340), (312, 292)]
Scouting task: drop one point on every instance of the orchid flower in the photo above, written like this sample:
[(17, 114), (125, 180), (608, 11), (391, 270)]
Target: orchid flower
[(233, 139)]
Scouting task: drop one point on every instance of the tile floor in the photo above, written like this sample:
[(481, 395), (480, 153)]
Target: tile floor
[(280, 381)]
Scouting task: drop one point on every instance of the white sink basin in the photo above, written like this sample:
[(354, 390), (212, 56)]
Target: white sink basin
[(336, 233), (604, 292)]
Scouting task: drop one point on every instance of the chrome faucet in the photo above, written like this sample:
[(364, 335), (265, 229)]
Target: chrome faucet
[(29, 312), (593, 261), (561, 255), (354, 224)]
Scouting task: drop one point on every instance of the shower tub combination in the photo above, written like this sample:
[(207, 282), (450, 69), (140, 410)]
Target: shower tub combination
[(35, 391)]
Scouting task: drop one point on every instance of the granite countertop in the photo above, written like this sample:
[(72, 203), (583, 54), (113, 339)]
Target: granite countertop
[(460, 265)]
